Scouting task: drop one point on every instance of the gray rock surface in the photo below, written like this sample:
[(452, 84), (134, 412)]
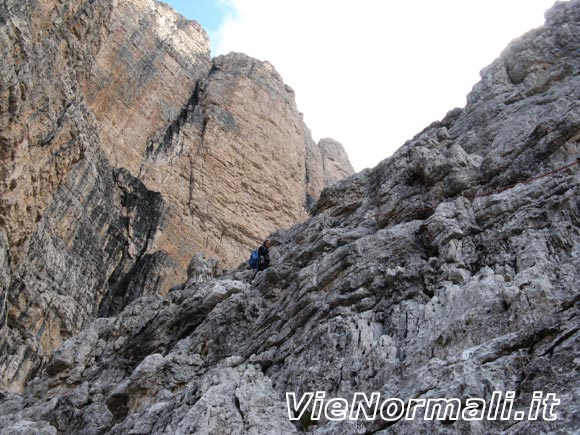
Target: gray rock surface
[(449, 270)]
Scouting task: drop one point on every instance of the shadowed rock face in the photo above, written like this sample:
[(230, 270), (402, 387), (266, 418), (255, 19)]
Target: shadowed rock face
[(449, 270), (124, 151)]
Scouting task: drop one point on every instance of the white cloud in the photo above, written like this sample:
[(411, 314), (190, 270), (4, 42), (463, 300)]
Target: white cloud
[(371, 73)]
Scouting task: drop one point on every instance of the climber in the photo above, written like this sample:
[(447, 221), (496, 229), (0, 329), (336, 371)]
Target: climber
[(264, 255), (260, 258)]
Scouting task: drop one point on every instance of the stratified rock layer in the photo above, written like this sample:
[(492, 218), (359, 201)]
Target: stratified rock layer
[(449, 270), (124, 151)]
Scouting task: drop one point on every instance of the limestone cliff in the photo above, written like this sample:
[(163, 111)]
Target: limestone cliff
[(449, 270), (234, 163), (335, 163), (125, 150)]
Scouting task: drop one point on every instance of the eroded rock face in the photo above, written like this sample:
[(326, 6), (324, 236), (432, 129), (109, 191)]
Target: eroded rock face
[(335, 162), (124, 151), (449, 270), (234, 164), (143, 76)]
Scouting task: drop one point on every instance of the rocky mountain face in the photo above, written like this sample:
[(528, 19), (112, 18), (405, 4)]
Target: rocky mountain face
[(334, 161), (124, 150), (448, 271)]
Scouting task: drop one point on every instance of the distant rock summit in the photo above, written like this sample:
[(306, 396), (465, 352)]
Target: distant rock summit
[(445, 276), (335, 161), (125, 150)]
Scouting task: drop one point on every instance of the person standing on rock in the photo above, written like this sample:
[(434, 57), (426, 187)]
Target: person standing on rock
[(260, 258), (264, 255)]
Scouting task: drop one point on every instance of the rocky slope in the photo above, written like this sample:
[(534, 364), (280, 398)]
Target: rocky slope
[(124, 150), (449, 270)]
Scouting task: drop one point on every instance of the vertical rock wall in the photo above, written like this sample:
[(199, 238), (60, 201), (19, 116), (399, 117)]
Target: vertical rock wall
[(234, 164)]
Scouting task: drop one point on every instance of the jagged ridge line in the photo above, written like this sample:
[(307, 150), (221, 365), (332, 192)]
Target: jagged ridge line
[(480, 195)]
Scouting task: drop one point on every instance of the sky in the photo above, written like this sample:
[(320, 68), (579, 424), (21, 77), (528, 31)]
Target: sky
[(370, 74)]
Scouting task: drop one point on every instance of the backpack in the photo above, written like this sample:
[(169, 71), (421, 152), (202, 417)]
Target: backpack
[(254, 259)]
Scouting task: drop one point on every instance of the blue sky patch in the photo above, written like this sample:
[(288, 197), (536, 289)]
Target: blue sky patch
[(208, 13)]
